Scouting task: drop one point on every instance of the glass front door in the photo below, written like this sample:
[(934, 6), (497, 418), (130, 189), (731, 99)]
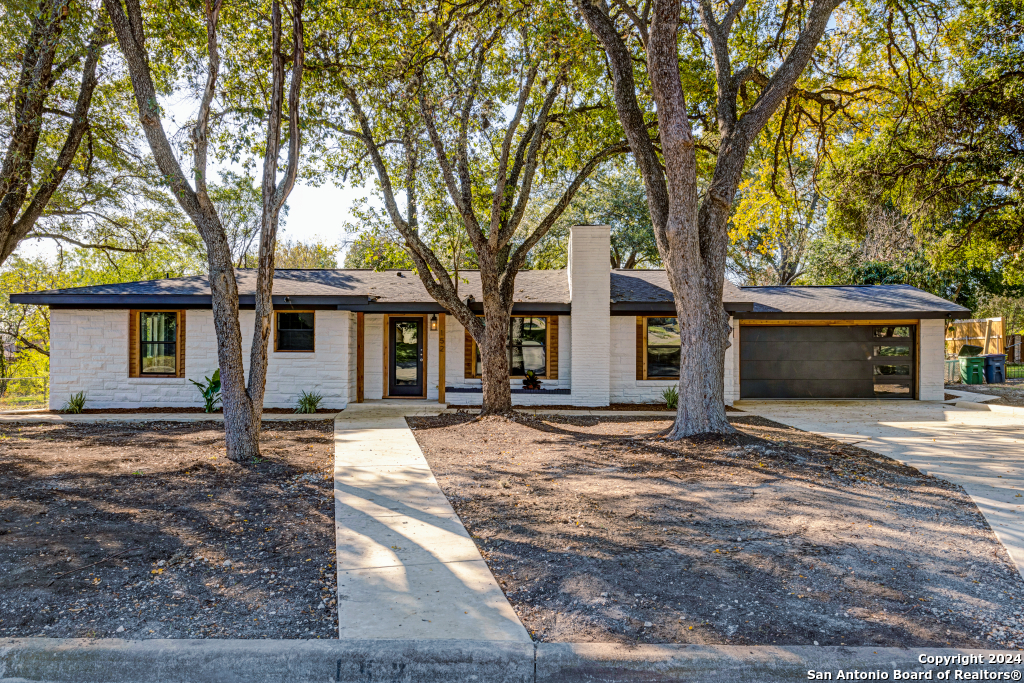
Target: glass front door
[(405, 356)]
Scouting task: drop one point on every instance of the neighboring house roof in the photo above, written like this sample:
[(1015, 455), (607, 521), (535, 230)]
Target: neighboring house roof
[(540, 291)]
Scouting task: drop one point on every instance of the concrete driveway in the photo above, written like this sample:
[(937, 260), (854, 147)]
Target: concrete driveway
[(981, 451)]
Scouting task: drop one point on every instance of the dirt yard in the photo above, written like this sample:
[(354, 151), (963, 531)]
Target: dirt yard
[(598, 530), (1010, 393), (199, 546)]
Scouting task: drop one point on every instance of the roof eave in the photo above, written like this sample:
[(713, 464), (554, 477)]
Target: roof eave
[(857, 315)]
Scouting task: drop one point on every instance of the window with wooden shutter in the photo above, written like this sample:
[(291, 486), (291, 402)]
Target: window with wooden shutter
[(553, 347), (181, 343), (156, 345), (639, 347), (470, 356), (133, 343), (532, 344)]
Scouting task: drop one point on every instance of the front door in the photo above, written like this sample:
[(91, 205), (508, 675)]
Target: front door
[(405, 356)]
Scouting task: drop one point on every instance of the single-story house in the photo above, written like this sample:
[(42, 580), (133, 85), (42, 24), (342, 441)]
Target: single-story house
[(593, 335)]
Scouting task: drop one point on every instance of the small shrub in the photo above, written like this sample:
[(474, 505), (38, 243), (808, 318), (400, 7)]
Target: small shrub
[(75, 404), (308, 402), (531, 381), (210, 391), (671, 396)]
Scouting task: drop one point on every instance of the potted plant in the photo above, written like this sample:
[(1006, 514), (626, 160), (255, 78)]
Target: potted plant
[(531, 381)]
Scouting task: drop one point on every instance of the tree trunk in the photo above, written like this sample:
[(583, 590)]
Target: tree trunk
[(241, 430), (704, 336), (497, 398)]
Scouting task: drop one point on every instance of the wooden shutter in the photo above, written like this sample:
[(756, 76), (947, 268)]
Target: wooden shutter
[(469, 364), (133, 343), (360, 371), (181, 343), (639, 347), (553, 347)]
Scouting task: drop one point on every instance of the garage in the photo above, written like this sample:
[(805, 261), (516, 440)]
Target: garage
[(827, 361)]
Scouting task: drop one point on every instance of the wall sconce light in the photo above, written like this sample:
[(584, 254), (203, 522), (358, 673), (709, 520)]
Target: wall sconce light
[(433, 323)]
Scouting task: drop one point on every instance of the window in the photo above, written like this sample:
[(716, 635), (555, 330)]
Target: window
[(892, 350), (893, 331), (529, 339), (658, 348), (892, 370), (158, 343), (294, 331)]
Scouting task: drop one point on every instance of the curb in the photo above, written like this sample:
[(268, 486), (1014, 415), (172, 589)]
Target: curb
[(1008, 410), (449, 661)]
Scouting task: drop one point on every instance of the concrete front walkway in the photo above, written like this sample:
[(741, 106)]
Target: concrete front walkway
[(407, 568), (980, 450)]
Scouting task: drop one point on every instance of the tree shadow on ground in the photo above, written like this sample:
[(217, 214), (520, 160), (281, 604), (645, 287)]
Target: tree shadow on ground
[(87, 511), (598, 527)]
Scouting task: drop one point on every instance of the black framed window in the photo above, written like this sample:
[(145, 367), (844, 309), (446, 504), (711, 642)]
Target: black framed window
[(527, 347), (661, 337), (892, 350), (295, 331), (897, 331), (158, 342), (893, 357)]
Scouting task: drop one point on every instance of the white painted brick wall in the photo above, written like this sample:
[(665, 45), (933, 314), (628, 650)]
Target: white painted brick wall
[(89, 352), (590, 292), (932, 352), (373, 356), (624, 386), (433, 362), (732, 365), (353, 360)]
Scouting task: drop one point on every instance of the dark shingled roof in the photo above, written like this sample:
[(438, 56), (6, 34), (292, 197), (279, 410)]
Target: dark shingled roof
[(390, 286), (643, 287), (847, 299), (651, 286)]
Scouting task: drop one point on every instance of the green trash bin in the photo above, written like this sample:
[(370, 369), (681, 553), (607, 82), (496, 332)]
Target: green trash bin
[(972, 369)]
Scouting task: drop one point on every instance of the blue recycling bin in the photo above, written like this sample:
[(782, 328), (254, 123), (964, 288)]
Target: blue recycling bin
[(995, 368)]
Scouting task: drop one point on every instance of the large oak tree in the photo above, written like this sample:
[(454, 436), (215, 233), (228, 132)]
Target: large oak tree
[(243, 403), (467, 111), (757, 53)]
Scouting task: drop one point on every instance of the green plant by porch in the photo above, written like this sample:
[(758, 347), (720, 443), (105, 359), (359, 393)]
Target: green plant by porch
[(210, 391)]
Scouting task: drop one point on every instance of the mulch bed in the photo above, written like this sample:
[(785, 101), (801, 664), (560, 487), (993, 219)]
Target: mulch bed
[(152, 409), (199, 546), (599, 530)]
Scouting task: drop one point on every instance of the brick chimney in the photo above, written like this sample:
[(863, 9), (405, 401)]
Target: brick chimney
[(590, 293)]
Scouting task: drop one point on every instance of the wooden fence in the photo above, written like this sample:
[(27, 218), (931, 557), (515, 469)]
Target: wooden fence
[(984, 332)]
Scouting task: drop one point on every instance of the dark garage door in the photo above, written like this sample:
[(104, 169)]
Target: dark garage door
[(854, 361)]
